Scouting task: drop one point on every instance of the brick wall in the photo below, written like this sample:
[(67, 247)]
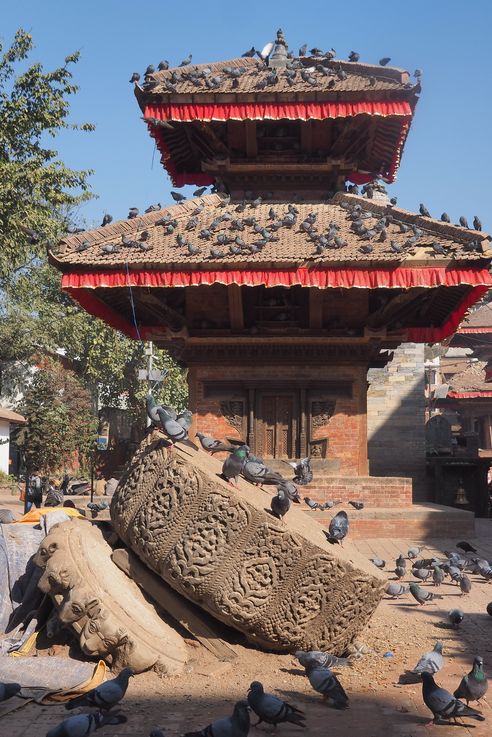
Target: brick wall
[(345, 431), (395, 418), (373, 491)]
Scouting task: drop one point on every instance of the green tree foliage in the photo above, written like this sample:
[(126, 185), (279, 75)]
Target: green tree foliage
[(35, 185), (60, 421)]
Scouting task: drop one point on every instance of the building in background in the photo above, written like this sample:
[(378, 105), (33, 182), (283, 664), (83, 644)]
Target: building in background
[(9, 456)]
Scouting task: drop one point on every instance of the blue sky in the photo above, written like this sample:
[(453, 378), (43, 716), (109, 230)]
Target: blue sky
[(447, 158)]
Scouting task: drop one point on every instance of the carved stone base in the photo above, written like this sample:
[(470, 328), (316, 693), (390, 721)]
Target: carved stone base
[(280, 583), (102, 605)]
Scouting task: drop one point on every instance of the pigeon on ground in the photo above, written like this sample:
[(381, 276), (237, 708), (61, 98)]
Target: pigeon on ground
[(259, 473), (437, 576), (280, 504), (422, 573), (272, 710), (442, 704), (234, 463), (175, 432), (303, 473), (338, 528), (465, 584), (466, 547), (7, 690), (401, 562), (311, 503), (329, 504), (415, 552), (456, 617), (431, 662), (395, 590), (474, 685), (80, 725), (357, 505), (105, 696), (422, 595), (325, 682), (378, 562), (212, 445), (400, 572), (316, 657), (237, 725)]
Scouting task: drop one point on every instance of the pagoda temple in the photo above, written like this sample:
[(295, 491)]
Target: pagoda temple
[(282, 287)]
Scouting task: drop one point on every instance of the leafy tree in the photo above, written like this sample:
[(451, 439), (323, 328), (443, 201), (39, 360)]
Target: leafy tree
[(60, 419), (35, 185)]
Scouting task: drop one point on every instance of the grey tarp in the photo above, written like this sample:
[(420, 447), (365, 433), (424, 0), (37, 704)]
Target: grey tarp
[(46, 673), (18, 573)]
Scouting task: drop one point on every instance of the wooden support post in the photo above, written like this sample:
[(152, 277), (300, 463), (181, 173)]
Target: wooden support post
[(315, 309), (251, 419), (251, 143), (236, 318)]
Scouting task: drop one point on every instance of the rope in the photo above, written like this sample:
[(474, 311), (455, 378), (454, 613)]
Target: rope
[(132, 302)]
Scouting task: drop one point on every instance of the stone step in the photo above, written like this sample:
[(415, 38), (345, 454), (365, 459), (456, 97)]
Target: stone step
[(413, 522)]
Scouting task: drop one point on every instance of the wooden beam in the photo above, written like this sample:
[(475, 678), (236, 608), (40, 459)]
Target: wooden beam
[(307, 137), (251, 142), (315, 309), (235, 297)]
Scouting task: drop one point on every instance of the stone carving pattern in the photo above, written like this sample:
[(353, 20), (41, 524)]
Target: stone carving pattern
[(246, 569), (105, 608), (321, 412), (233, 411)]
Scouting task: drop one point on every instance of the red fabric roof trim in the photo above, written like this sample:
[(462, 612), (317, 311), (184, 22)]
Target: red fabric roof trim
[(324, 278), (274, 111), (435, 335), (94, 306), (186, 112), (468, 395)]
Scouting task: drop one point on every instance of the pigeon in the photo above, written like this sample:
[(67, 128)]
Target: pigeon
[(185, 418), (316, 657), (395, 590), (186, 61), (259, 473), (338, 528), (424, 211), (135, 78), (489, 608), (329, 504), (456, 617), (415, 552), (272, 710), (311, 503), (465, 584), (401, 562), (354, 56), (303, 473), (474, 685), (378, 562), (400, 572), (385, 60), (422, 573), (290, 490), (212, 445), (150, 70), (152, 406), (437, 576), (163, 65), (250, 53), (178, 197), (442, 704), (107, 219), (133, 213), (357, 505), (234, 463), (237, 725), (80, 725), (464, 222), (421, 595), (105, 696), (445, 218), (466, 547), (418, 73), (9, 689), (431, 662), (83, 246), (174, 430), (302, 50), (280, 504), (477, 223), (326, 683)]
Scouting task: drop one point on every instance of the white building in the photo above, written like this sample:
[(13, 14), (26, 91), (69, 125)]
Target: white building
[(7, 418)]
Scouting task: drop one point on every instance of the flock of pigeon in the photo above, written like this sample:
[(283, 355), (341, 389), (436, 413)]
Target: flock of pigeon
[(238, 230), (314, 67)]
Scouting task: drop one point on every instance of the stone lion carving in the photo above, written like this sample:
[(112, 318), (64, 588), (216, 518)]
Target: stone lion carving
[(282, 585), (104, 607)]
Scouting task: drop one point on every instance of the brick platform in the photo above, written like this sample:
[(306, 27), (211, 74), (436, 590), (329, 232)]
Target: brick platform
[(372, 490), (417, 522)]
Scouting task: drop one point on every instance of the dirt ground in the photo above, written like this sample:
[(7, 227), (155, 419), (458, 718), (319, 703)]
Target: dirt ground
[(399, 632)]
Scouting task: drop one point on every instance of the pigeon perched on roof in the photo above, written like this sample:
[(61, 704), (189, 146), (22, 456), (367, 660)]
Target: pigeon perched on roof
[(464, 222), (106, 695), (445, 218), (422, 595), (325, 682), (456, 617), (316, 657), (432, 661), (212, 445), (354, 56), (385, 60), (424, 211), (442, 704), (150, 70), (81, 725), (163, 65), (107, 219), (477, 224), (7, 690), (474, 685), (272, 710), (338, 528), (133, 213), (237, 725), (186, 61), (135, 78)]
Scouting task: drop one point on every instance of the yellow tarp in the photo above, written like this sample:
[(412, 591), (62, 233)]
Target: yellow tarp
[(33, 517)]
